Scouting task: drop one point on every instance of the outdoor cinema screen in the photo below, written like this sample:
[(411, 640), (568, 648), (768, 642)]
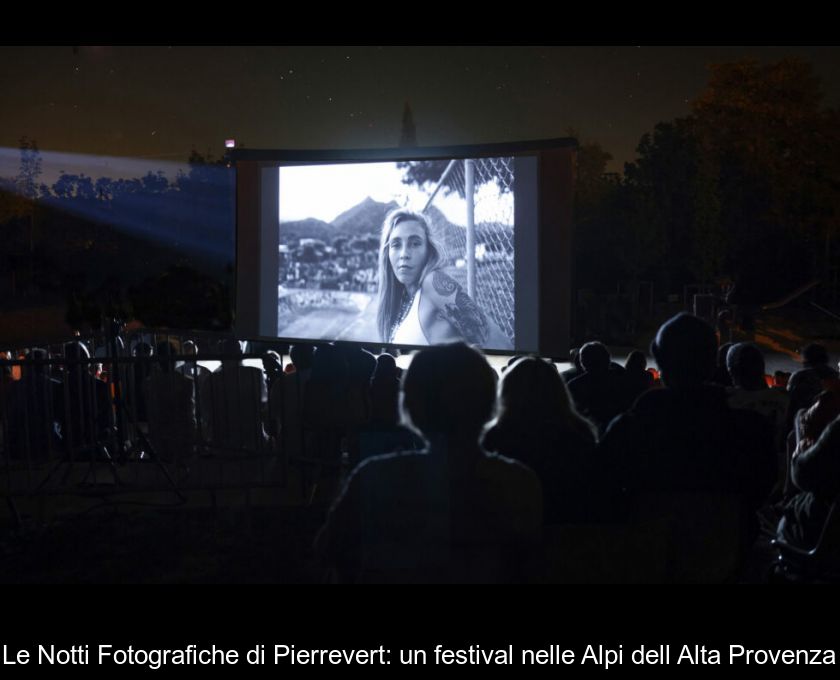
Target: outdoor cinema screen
[(412, 253), (407, 251)]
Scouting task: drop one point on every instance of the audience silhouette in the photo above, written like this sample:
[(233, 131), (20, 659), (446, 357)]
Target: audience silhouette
[(451, 512), (637, 378), (539, 426), (684, 437), (170, 407), (454, 472), (599, 392)]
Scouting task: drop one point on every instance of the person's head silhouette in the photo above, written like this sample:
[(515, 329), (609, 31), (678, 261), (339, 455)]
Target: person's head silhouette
[(386, 367), (636, 362), (448, 393), (595, 357), (532, 391), (685, 348), (745, 364), (814, 354)]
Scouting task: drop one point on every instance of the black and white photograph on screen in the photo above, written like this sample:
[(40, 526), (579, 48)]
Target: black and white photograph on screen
[(406, 253)]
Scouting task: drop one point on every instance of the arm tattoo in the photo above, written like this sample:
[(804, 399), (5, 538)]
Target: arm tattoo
[(443, 283), (466, 317)]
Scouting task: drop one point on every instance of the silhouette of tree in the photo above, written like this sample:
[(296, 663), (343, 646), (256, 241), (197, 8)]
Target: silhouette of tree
[(104, 188), (776, 146), (106, 234), (426, 174), (154, 182), (747, 186), (28, 187), (30, 168), (420, 173), (69, 186), (608, 246), (204, 168), (675, 205)]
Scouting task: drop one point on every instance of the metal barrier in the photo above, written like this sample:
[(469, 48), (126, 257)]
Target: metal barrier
[(109, 415)]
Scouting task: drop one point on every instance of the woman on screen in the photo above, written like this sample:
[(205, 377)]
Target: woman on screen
[(419, 304)]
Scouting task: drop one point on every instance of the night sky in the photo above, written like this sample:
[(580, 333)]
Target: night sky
[(159, 102)]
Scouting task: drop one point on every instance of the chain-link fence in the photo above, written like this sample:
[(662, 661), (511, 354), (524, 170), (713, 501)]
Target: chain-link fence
[(480, 252)]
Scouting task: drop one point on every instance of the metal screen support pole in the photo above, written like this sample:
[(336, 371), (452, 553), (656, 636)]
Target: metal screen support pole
[(439, 184), (469, 189)]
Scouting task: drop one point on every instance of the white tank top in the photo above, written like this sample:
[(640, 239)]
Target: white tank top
[(410, 332)]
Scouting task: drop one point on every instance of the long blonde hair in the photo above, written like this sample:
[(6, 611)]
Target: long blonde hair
[(391, 291), (532, 393)]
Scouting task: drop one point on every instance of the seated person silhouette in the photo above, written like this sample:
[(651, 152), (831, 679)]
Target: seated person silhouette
[(327, 415), (539, 426), (637, 378), (287, 397), (599, 392), (814, 376), (688, 463), (685, 437), (448, 513), (815, 472), (722, 375), (191, 368), (384, 434), (237, 397), (745, 364), (170, 406)]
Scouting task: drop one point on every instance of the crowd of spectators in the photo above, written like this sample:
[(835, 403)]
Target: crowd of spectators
[(454, 472)]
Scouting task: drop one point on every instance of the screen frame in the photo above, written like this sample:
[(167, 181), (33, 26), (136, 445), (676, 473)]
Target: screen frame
[(555, 171)]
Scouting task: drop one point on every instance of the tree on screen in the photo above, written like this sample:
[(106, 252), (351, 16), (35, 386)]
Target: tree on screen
[(426, 174)]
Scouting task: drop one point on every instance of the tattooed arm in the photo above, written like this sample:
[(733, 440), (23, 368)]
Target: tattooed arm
[(455, 307)]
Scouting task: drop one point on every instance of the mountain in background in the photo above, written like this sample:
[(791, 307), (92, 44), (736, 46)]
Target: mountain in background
[(364, 218), (367, 217), (291, 232)]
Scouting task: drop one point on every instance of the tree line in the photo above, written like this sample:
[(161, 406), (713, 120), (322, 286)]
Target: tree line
[(145, 247), (743, 189)]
